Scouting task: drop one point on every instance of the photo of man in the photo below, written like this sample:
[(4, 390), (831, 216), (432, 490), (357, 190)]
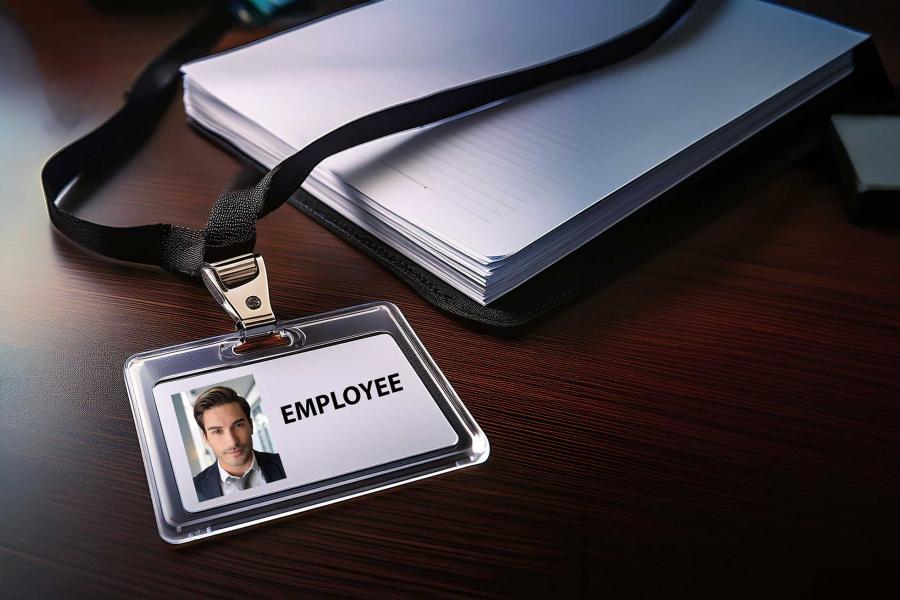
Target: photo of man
[(225, 421)]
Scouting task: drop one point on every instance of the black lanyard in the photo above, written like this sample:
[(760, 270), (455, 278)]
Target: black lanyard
[(231, 229)]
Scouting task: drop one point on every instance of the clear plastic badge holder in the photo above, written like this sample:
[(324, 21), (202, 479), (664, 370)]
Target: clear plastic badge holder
[(342, 404)]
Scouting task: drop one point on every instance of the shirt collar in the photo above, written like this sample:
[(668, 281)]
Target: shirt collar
[(223, 474)]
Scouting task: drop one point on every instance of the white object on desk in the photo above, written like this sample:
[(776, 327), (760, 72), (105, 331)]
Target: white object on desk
[(488, 200)]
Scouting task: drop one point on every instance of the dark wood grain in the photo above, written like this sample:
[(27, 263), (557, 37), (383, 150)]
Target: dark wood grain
[(722, 418)]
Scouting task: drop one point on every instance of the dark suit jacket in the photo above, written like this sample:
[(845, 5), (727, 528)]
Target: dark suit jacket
[(209, 486)]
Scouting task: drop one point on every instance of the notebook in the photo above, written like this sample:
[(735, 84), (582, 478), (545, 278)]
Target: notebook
[(488, 200)]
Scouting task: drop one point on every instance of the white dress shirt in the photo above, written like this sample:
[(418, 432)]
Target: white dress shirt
[(252, 477)]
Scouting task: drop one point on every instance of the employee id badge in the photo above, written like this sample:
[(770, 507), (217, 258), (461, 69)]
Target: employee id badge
[(345, 404)]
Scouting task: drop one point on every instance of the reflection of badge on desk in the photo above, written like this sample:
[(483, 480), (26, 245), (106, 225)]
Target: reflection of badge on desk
[(352, 404)]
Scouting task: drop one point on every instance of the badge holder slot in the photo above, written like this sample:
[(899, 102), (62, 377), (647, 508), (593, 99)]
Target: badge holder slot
[(151, 376)]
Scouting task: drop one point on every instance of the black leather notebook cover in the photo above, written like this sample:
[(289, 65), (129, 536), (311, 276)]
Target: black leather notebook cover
[(672, 215)]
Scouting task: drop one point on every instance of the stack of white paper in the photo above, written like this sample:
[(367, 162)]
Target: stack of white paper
[(488, 200)]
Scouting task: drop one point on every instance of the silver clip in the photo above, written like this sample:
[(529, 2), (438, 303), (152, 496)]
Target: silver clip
[(241, 287)]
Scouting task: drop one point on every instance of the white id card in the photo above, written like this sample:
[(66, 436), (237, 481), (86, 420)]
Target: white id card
[(350, 404)]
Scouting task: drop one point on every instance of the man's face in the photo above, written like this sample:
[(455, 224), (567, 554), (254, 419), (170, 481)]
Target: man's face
[(229, 434)]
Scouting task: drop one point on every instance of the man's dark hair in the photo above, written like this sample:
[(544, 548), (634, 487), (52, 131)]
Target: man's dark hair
[(217, 396)]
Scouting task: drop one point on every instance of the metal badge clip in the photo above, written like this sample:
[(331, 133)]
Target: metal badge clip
[(241, 287)]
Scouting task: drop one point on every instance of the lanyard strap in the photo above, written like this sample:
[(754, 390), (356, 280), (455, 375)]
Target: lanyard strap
[(231, 229)]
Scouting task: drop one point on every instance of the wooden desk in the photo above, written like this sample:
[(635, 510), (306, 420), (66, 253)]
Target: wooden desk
[(723, 417)]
